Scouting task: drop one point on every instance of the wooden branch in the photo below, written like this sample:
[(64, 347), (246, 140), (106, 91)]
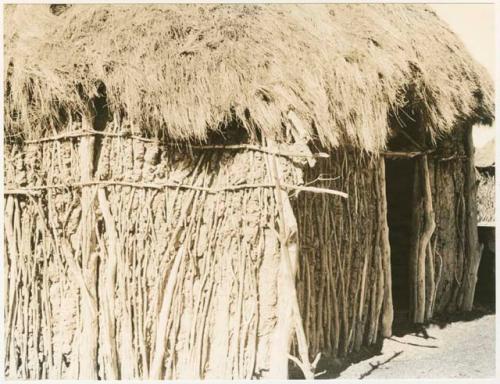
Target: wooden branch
[(413, 154), (110, 282), (405, 154), (453, 157), (430, 275), (378, 364), (85, 133), (79, 276), (278, 152), (89, 331), (423, 244), (161, 333), (64, 136), (229, 188), (438, 280), (416, 227), (23, 191), (289, 277), (473, 253), (388, 310), (316, 190), (13, 256)]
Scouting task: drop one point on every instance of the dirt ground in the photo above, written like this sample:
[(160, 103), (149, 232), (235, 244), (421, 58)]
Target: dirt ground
[(462, 349)]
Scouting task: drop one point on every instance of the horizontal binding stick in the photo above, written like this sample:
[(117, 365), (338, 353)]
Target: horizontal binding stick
[(230, 188), (77, 134), (404, 154), (453, 157), (413, 154), (24, 191)]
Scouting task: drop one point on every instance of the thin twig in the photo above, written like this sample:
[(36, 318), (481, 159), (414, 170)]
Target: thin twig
[(413, 344), (22, 191), (405, 154), (453, 157), (76, 134), (377, 365), (229, 188)]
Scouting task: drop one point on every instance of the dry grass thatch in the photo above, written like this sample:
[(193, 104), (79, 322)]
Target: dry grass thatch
[(486, 198), (182, 71), (485, 155)]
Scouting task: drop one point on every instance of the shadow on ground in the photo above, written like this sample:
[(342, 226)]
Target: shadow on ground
[(405, 327), (477, 312), (332, 368)]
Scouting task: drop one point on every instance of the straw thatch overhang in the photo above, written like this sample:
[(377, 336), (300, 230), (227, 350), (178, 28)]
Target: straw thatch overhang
[(182, 72)]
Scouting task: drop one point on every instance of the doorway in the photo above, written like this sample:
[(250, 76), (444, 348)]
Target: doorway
[(399, 191)]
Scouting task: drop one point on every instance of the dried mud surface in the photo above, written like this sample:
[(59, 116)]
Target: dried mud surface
[(463, 349)]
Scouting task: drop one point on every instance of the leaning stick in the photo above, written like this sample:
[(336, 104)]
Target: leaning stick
[(387, 311), (297, 320), (423, 242), (110, 279), (472, 245), (11, 292), (160, 345)]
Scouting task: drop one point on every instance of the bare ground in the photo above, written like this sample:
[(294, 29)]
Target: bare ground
[(462, 349)]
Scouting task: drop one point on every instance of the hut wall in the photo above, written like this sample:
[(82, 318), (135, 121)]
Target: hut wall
[(172, 282), (344, 269), (444, 252), (344, 277), (448, 240), (150, 281), (455, 243)]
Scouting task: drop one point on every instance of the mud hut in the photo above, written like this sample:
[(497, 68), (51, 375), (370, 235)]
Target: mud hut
[(228, 191)]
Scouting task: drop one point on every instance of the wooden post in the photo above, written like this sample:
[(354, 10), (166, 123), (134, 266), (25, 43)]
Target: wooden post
[(416, 228), (289, 317), (166, 306), (473, 253), (89, 327), (387, 309), (10, 294), (425, 241), (423, 226), (108, 301)]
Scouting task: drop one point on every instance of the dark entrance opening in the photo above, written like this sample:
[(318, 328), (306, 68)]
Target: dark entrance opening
[(485, 287), (399, 190)]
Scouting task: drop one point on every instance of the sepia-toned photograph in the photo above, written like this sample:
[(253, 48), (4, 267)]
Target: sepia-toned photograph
[(248, 191)]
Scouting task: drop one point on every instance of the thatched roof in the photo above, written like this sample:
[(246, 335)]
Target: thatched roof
[(182, 71), (485, 155)]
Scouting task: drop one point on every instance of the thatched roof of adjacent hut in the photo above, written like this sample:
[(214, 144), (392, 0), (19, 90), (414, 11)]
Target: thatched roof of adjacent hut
[(182, 71), (485, 155)]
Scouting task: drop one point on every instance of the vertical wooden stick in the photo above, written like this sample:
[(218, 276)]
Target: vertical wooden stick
[(416, 228), (286, 285), (423, 295), (429, 227), (108, 301), (473, 253), (89, 340), (13, 255), (160, 345), (387, 310)]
